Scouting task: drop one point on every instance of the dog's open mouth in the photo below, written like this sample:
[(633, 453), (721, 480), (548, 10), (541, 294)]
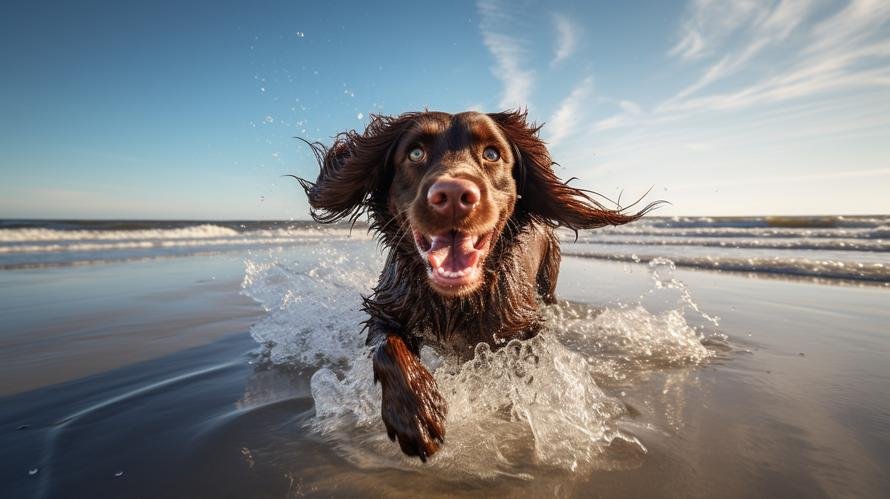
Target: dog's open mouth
[(454, 258)]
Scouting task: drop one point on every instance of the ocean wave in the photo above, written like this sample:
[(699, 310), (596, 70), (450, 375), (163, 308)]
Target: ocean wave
[(789, 266), (845, 244), (196, 232), (655, 229), (80, 246), (853, 248), (20, 244), (42, 247)]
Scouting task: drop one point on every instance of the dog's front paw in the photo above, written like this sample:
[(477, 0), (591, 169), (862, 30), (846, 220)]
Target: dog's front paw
[(415, 415), (413, 410)]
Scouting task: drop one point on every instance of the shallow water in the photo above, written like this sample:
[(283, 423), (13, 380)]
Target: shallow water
[(649, 381)]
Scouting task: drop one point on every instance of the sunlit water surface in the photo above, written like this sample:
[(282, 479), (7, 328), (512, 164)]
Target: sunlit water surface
[(648, 381)]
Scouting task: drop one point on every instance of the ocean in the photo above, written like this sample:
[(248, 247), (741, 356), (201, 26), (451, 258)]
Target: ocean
[(686, 357), (854, 248)]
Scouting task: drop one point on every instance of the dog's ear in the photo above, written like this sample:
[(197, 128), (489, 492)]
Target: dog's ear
[(355, 172), (543, 194)]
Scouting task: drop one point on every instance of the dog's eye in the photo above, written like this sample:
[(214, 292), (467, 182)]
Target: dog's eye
[(491, 154), (416, 154)]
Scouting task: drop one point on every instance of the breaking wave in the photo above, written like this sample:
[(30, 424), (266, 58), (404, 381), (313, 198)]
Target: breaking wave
[(820, 248), (39, 246), (787, 265)]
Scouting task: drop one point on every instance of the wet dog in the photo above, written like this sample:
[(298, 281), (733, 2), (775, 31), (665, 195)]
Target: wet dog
[(466, 205)]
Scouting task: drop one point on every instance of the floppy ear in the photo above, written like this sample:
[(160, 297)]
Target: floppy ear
[(544, 195), (354, 174)]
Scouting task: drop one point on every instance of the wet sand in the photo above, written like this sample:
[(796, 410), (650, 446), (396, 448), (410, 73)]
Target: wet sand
[(140, 379), (63, 323)]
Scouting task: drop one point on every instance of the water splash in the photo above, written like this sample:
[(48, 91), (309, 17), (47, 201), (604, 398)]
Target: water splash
[(313, 300), (532, 401), (541, 401)]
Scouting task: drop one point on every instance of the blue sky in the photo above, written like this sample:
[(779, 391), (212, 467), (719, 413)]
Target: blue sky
[(187, 109)]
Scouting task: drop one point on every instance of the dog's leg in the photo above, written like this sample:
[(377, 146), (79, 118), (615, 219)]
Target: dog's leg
[(413, 410)]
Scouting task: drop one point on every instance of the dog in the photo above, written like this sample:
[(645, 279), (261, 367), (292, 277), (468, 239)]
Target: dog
[(466, 206)]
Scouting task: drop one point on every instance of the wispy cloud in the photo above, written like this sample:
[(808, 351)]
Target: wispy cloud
[(829, 120), (766, 27), (846, 50), (566, 38), (631, 113), (779, 54), (709, 23), (509, 54), (771, 90), (568, 115)]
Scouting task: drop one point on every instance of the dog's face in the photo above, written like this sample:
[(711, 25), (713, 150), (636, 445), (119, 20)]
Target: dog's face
[(449, 184), (453, 187)]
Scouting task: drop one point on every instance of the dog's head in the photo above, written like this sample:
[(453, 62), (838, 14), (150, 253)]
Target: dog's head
[(448, 184)]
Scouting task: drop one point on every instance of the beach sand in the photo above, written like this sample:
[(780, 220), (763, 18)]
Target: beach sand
[(147, 379)]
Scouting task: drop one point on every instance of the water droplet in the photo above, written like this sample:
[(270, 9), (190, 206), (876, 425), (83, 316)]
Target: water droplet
[(300, 34)]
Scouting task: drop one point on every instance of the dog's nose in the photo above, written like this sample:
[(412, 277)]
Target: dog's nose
[(454, 196)]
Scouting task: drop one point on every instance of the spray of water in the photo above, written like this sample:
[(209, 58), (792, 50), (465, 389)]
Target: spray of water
[(538, 401)]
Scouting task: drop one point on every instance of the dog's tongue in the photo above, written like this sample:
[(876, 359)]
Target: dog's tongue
[(452, 252)]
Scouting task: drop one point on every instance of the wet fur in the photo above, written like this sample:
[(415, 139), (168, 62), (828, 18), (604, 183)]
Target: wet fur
[(520, 270)]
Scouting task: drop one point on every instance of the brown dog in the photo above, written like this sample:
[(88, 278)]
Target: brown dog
[(466, 205)]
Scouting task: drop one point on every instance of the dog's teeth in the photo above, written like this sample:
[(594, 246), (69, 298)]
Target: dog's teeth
[(452, 274)]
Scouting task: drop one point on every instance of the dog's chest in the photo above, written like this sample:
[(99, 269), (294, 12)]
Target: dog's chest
[(459, 327)]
